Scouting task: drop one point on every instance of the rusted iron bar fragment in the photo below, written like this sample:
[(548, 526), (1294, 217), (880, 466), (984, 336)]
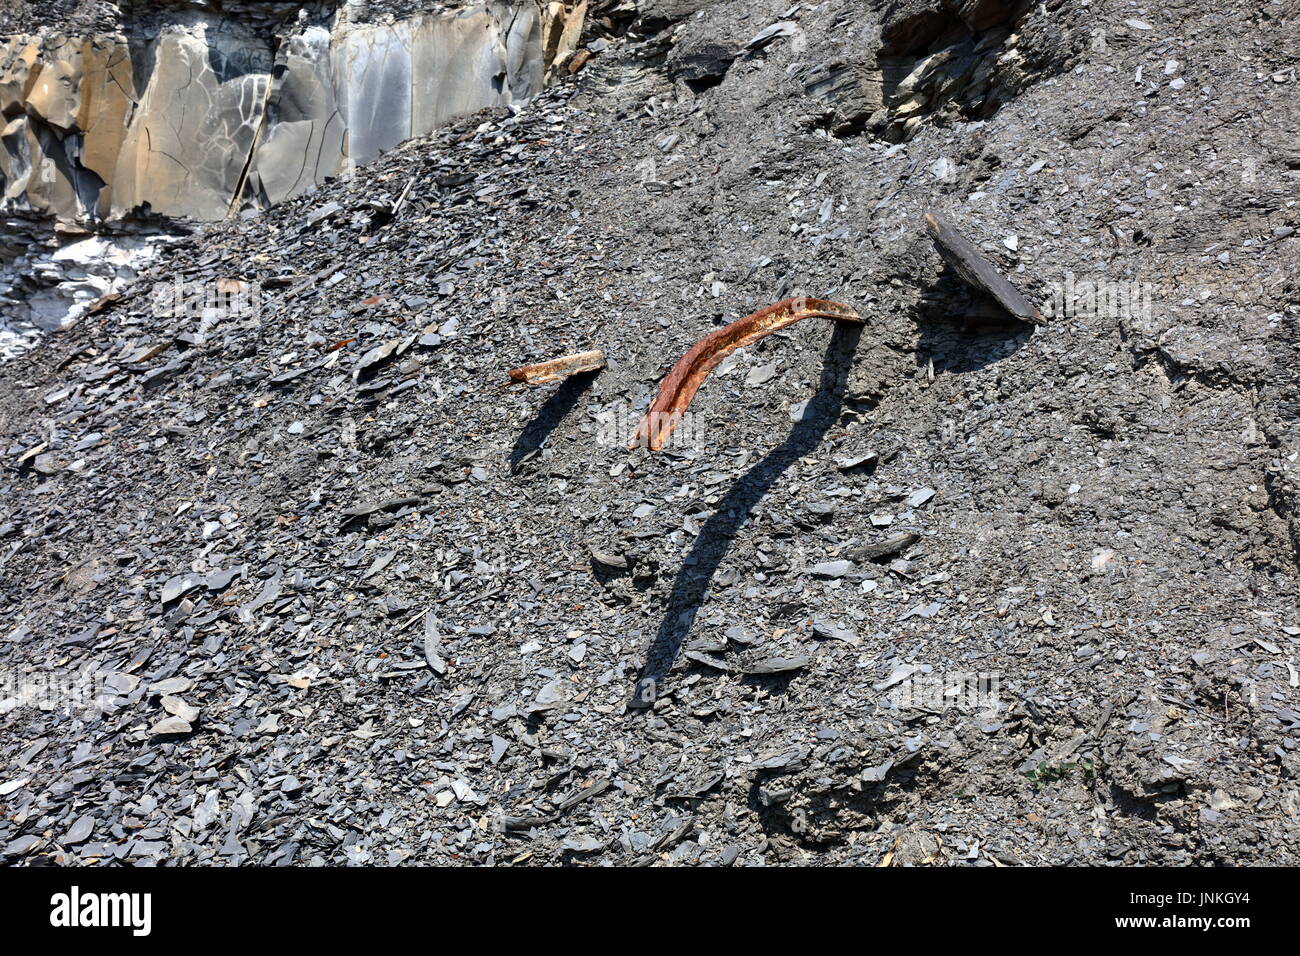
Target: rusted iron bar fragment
[(685, 378), (556, 369), (971, 265)]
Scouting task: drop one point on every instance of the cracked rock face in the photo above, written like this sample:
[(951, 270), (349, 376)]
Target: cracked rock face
[(197, 119), (205, 114)]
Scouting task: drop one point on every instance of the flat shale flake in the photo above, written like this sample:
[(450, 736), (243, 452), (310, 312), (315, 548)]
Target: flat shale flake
[(969, 263), (169, 726)]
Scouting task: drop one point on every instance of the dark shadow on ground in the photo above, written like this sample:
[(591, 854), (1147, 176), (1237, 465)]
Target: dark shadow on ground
[(962, 330), (718, 533), (549, 416)]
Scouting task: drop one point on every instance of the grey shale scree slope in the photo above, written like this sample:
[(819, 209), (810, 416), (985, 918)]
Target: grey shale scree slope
[(351, 600)]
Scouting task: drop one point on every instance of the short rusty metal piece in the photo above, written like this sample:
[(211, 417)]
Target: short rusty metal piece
[(556, 369), (684, 380)]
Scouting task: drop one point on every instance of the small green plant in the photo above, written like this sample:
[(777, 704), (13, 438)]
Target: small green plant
[(1049, 773)]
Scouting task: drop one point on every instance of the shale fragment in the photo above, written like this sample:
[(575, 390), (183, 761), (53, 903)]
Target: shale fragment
[(971, 265)]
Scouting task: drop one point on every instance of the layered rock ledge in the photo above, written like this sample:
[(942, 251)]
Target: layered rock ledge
[(200, 110)]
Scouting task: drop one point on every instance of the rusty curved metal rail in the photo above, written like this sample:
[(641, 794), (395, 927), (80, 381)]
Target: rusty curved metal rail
[(685, 378)]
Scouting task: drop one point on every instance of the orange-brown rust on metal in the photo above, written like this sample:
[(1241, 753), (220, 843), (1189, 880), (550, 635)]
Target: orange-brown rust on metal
[(685, 378), (556, 369)]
